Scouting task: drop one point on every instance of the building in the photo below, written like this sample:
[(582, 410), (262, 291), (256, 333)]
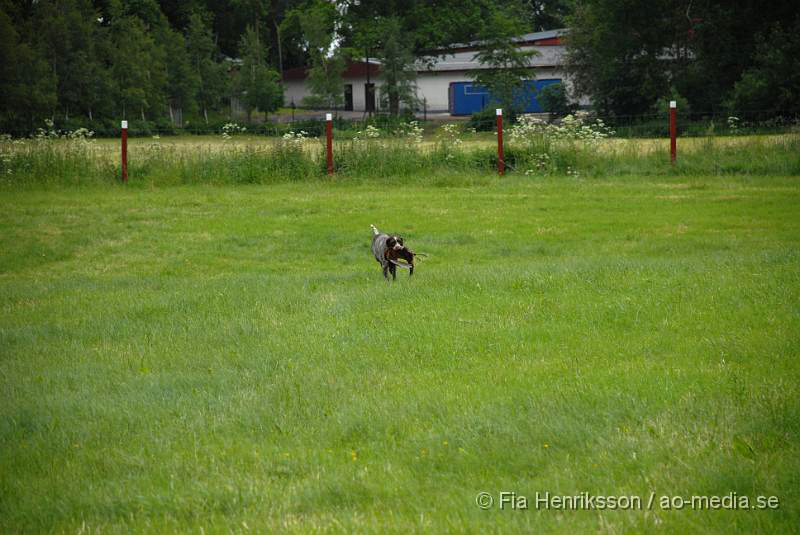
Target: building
[(361, 86), (444, 85)]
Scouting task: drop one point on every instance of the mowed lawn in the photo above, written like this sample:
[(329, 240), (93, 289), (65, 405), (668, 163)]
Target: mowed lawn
[(229, 359)]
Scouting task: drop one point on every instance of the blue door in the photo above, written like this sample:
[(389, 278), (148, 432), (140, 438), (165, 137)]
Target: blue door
[(467, 98)]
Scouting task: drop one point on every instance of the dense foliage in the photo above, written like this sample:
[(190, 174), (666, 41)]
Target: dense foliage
[(89, 63), (736, 56)]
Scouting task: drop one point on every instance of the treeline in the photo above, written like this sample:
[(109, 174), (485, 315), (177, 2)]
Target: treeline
[(84, 62), (93, 62), (631, 57), (79, 62)]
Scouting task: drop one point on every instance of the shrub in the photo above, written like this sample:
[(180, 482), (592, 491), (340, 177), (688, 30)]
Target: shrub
[(574, 128), (554, 100)]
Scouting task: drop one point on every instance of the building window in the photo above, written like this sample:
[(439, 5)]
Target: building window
[(475, 90)]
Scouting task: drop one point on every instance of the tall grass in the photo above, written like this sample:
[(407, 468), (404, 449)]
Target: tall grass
[(758, 156), (82, 162)]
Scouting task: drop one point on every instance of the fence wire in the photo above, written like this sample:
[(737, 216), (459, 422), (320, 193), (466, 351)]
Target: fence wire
[(653, 125)]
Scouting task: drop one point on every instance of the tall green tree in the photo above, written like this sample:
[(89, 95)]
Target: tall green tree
[(398, 70), (66, 34), (772, 83), (183, 82), (137, 67), (318, 21), (259, 85), (617, 52), (626, 55), (27, 85), (97, 88), (204, 59), (724, 38), (505, 67)]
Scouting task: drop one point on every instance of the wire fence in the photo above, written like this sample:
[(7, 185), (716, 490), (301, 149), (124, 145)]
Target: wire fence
[(656, 125), (653, 125)]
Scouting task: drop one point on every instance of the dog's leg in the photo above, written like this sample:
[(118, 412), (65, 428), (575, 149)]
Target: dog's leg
[(386, 271), (393, 270)]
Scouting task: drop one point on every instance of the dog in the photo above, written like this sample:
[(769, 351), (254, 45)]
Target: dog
[(387, 250)]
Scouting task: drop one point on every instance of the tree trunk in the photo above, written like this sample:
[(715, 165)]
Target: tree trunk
[(280, 54), (366, 58), (205, 114)]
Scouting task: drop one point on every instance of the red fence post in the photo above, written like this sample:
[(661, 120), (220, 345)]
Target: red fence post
[(501, 164), (329, 134), (125, 152), (673, 131)]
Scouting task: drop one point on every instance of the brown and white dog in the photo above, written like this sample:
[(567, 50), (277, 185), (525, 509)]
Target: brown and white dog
[(387, 250)]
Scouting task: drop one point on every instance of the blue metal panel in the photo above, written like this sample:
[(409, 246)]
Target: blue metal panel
[(469, 97)]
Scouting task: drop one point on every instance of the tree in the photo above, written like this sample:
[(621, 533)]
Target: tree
[(203, 55), (724, 38), (406, 33), (506, 67), (772, 83), (327, 61), (27, 85), (547, 14), (398, 70), (183, 81), (266, 94), (66, 34), (137, 66), (618, 52), (259, 85), (97, 87), (626, 54), (554, 100)]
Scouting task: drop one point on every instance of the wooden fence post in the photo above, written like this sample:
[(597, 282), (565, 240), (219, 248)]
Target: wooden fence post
[(329, 146), (501, 164), (125, 152), (673, 131)]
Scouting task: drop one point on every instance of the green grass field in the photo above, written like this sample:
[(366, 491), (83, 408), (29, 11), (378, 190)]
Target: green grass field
[(210, 359)]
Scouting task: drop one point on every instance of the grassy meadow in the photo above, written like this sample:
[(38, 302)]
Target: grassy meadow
[(217, 359)]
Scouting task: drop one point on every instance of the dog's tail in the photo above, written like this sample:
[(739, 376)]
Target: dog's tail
[(374, 230)]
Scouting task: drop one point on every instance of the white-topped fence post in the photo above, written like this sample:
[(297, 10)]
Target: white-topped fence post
[(673, 130), (501, 164), (329, 144), (125, 152)]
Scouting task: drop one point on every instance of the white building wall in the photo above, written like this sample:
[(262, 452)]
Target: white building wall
[(296, 90), (359, 91), (434, 85)]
